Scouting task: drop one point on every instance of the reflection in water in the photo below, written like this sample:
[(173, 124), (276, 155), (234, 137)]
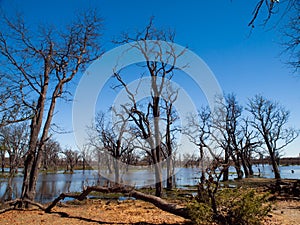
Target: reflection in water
[(50, 186)]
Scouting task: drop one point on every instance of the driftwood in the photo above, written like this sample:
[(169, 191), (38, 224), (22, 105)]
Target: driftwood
[(158, 202)]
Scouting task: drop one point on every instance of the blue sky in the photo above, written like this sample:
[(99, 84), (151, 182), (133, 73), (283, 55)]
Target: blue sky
[(216, 30)]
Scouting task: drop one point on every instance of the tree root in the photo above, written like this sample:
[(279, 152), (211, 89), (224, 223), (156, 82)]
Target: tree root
[(18, 203)]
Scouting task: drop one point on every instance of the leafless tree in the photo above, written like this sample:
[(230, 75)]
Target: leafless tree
[(51, 154), (270, 120), (14, 139), (199, 131), (115, 139), (42, 61), (85, 155), (248, 143), (169, 97), (146, 118), (71, 159), (225, 121)]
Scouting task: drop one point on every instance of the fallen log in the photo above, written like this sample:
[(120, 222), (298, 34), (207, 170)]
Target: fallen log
[(158, 202)]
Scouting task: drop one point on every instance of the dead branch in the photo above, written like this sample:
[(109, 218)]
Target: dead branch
[(158, 202), (17, 203)]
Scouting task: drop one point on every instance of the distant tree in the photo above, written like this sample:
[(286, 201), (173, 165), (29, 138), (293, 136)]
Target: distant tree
[(14, 140), (40, 63), (71, 159), (85, 155), (115, 139), (270, 120), (199, 131), (51, 154)]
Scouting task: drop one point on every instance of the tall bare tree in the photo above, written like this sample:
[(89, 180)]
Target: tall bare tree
[(43, 61), (226, 118), (146, 118), (270, 120)]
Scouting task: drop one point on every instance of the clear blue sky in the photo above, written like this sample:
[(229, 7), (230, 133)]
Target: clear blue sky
[(216, 30)]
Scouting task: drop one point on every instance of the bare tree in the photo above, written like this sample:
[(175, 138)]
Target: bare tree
[(146, 118), (85, 155), (226, 118), (51, 154), (71, 159), (42, 63), (169, 97), (115, 139), (270, 119), (248, 143), (199, 131), (14, 139)]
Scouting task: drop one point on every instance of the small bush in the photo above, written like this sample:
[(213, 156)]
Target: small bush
[(235, 207), (200, 213), (243, 206)]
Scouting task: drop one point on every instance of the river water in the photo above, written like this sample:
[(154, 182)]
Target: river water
[(51, 185)]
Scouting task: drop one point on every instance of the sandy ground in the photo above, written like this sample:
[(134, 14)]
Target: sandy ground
[(128, 212)]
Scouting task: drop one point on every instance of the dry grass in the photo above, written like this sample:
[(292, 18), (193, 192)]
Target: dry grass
[(128, 212)]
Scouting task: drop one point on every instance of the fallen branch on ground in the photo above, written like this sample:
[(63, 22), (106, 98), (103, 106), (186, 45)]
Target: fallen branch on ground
[(158, 202)]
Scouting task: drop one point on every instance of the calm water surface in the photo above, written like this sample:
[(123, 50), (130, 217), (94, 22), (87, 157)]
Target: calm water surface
[(50, 186)]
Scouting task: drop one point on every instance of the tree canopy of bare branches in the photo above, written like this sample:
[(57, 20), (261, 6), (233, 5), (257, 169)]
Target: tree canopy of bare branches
[(40, 62), (270, 120), (146, 118)]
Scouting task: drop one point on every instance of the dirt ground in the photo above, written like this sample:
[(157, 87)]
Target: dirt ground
[(128, 212)]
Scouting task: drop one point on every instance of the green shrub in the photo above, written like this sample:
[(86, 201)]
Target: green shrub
[(243, 206), (235, 207), (200, 213)]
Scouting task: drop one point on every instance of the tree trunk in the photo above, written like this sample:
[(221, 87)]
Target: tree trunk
[(158, 180), (117, 170), (275, 166), (169, 173), (226, 170)]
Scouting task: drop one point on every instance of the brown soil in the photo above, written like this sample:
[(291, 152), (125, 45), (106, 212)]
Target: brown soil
[(128, 212)]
